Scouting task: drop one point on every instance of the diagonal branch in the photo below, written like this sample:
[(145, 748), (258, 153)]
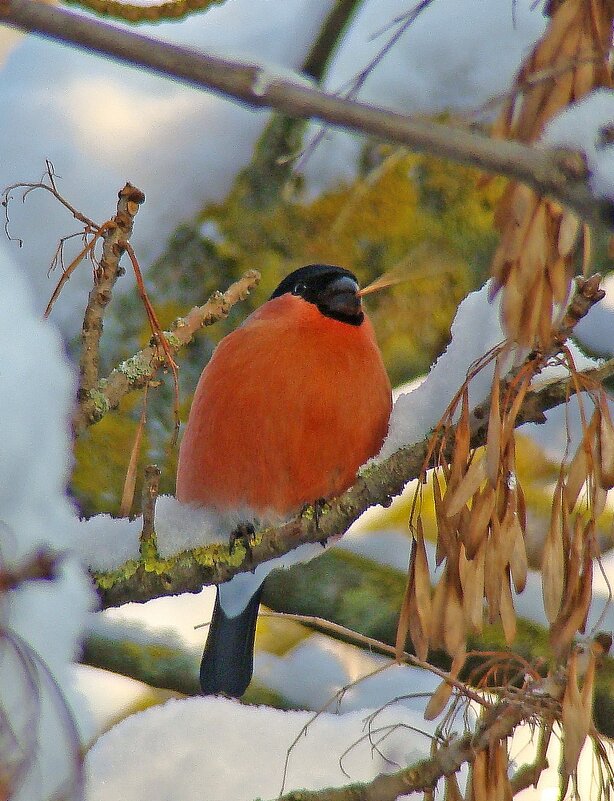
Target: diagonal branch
[(560, 174), (138, 370), (378, 484)]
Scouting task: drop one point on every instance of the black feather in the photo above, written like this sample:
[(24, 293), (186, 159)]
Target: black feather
[(228, 658)]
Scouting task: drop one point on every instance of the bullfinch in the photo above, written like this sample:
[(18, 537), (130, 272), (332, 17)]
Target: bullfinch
[(290, 405)]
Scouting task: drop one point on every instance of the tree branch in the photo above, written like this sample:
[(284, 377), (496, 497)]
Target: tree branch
[(139, 369), (497, 724), (560, 174), (378, 484), (117, 232)]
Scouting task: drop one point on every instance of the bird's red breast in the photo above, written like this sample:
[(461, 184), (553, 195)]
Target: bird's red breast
[(290, 405)]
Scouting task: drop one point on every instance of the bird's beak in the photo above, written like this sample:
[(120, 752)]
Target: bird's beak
[(342, 296)]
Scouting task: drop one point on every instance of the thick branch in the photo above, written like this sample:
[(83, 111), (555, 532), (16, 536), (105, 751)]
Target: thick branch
[(378, 484), (139, 369), (561, 175)]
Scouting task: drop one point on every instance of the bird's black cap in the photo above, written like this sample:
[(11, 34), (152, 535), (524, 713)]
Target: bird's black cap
[(334, 290)]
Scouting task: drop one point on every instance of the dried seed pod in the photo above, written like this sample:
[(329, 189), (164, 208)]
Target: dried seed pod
[(454, 631), (479, 778), (452, 791), (477, 528), (558, 277), (492, 572), (422, 583), (473, 589), (553, 567), (506, 610), (493, 438), (518, 561), (568, 233), (467, 487), (575, 725), (577, 475), (438, 701), (445, 533), (438, 607)]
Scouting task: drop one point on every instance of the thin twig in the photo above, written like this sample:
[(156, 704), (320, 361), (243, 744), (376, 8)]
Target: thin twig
[(151, 486), (138, 370)]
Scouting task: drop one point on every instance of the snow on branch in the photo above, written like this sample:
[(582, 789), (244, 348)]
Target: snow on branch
[(561, 174), (377, 484)]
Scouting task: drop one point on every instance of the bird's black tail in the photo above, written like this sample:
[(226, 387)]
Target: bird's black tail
[(228, 658)]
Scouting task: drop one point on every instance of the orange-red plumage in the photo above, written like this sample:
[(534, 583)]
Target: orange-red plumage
[(291, 404), (289, 407)]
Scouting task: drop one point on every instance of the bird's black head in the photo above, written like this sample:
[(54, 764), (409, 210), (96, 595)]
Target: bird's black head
[(332, 289)]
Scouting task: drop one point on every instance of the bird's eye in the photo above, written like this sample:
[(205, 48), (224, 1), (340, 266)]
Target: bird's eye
[(299, 289)]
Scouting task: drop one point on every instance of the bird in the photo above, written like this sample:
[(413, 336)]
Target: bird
[(290, 405)]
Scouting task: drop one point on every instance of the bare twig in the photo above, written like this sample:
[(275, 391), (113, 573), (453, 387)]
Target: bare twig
[(138, 370), (116, 234), (370, 643), (497, 723), (151, 486), (553, 173)]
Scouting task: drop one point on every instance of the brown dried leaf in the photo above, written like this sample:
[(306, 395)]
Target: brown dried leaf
[(492, 572), (452, 791), (438, 701), (512, 306), (454, 632), (531, 312), (439, 605), (532, 258), (479, 778), (584, 77), (558, 277), (419, 637), (577, 474), (462, 436), (473, 588), (553, 567), (406, 605), (493, 438), (477, 528), (506, 610), (548, 46), (561, 93), (508, 530), (422, 584), (568, 233), (518, 560), (544, 323), (573, 720), (444, 526), (467, 486)]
